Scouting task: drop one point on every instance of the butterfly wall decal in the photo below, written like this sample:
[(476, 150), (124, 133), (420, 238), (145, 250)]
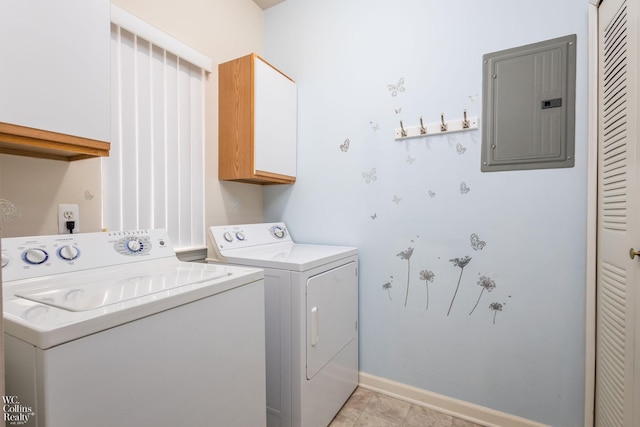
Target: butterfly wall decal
[(476, 243), (432, 194), (410, 159), (371, 176), (344, 147), (396, 199), (460, 148), (399, 87), (463, 188)]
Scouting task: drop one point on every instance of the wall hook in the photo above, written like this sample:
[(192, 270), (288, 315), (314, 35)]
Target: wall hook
[(443, 125), (403, 132), (465, 122), (423, 130)]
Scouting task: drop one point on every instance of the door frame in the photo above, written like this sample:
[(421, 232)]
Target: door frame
[(592, 217)]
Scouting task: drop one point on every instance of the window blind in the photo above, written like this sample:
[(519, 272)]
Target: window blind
[(154, 175)]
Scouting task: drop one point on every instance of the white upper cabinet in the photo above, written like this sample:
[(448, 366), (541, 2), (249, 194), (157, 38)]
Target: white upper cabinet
[(55, 66), (257, 131)]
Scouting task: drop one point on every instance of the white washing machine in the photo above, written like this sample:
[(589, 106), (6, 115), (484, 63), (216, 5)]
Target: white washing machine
[(108, 329), (311, 299)]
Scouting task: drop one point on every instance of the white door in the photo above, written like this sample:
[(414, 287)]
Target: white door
[(617, 386), (332, 313)]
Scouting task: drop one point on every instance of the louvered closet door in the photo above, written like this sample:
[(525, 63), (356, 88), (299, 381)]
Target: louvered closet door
[(617, 388)]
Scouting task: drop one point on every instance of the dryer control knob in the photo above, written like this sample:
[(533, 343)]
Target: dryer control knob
[(278, 232), (68, 252), (228, 237), (240, 235), (35, 256), (5, 259)]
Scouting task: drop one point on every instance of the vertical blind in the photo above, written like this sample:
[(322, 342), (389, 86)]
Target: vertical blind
[(154, 175)]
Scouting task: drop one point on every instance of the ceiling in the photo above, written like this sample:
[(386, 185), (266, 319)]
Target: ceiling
[(266, 4)]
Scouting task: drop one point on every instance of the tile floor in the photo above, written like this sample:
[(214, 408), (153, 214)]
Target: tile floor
[(366, 408)]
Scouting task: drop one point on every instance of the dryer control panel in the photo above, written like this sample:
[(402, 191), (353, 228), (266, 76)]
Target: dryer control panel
[(225, 237)]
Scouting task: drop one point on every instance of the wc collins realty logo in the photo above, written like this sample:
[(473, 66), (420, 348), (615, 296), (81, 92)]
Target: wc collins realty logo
[(14, 413)]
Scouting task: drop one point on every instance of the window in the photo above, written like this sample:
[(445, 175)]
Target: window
[(154, 176)]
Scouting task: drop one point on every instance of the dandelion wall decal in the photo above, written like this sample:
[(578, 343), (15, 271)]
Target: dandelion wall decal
[(407, 255), (375, 126), (8, 211), (462, 263), (487, 284), (388, 287), (397, 87), (428, 277), (476, 243), (496, 307)]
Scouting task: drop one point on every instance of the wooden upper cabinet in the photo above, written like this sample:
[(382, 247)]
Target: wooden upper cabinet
[(257, 127), (55, 78)]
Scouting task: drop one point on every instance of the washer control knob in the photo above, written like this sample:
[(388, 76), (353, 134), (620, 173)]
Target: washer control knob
[(134, 245), (228, 237), (5, 259), (68, 252), (240, 235), (35, 256)]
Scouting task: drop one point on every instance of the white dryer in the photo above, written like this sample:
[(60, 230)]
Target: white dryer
[(311, 309)]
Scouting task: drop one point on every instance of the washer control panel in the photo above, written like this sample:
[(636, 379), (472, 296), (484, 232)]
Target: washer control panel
[(35, 256), (226, 237)]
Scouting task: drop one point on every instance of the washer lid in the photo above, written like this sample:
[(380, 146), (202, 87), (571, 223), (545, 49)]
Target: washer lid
[(288, 255), (81, 294), (45, 325)]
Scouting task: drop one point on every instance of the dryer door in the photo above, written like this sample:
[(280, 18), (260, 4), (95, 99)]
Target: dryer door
[(332, 313)]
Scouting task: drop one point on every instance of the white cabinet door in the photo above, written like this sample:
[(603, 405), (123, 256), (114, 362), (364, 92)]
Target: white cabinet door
[(55, 66), (275, 129)]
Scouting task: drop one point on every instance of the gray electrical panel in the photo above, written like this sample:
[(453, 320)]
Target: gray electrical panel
[(528, 105)]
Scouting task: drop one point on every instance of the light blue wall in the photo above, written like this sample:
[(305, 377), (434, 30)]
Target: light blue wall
[(344, 54)]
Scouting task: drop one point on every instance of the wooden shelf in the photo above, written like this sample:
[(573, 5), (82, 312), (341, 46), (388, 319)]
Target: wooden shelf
[(24, 141)]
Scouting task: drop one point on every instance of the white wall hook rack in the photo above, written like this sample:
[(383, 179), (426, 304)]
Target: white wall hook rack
[(439, 128)]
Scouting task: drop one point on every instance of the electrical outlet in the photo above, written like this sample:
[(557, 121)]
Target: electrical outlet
[(67, 213)]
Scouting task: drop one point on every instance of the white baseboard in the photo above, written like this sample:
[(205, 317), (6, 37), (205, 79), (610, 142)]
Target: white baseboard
[(457, 408)]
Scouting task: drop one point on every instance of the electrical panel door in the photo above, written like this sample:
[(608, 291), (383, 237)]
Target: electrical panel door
[(529, 106)]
